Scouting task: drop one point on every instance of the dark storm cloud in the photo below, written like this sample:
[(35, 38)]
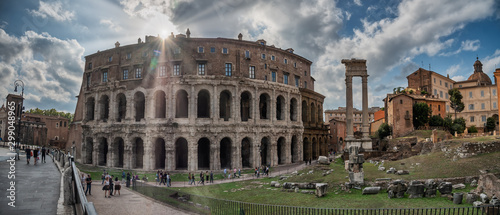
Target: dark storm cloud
[(406, 70)]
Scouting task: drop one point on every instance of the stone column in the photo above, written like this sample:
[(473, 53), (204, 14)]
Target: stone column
[(169, 155), (215, 154), (127, 154), (215, 106), (349, 106), (192, 106), (366, 127), (192, 155)]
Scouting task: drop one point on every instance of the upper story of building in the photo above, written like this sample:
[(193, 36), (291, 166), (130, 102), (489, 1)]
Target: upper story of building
[(431, 82), (340, 114)]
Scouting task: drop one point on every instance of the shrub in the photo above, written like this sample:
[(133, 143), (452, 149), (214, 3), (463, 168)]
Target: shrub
[(383, 131), (472, 129), (436, 120)]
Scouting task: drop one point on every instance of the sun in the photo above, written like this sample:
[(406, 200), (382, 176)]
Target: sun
[(164, 34)]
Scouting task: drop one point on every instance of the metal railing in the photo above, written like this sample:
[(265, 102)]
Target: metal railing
[(208, 205)]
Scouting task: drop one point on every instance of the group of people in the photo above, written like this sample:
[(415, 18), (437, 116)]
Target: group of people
[(36, 153), (109, 185), (264, 170), (163, 177), (228, 173)]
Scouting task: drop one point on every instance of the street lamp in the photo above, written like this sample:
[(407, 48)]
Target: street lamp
[(19, 83)]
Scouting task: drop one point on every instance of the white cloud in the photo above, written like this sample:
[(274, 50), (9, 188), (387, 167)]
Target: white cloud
[(358, 2), (452, 70), (110, 24), (347, 15), (459, 78), (54, 10), (492, 62), (3, 24), (468, 45)]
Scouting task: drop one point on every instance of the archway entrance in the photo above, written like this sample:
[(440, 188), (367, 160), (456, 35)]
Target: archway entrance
[(203, 153), (246, 153), (118, 150), (181, 153), (265, 151), (294, 149), (103, 152), (281, 150), (89, 146), (225, 153), (159, 153), (306, 149), (138, 150)]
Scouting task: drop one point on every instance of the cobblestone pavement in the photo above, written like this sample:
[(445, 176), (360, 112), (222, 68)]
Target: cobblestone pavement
[(36, 186)]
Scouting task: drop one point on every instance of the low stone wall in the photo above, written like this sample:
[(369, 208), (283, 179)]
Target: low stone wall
[(471, 149)]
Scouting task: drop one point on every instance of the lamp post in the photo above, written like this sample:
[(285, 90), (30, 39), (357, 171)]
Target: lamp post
[(19, 83)]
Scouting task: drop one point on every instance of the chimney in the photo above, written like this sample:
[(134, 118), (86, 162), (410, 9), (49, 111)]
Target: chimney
[(117, 44)]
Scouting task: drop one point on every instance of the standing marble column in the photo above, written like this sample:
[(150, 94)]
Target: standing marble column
[(364, 80), (349, 107)]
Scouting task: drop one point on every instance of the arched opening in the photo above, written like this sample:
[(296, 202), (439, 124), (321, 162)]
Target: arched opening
[(102, 152), (246, 153), (160, 104), (225, 105), (181, 104), (204, 153), (138, 151), (118, 151), (313, 113), (121, 105), (89, 147), (320, 146), (320, 114), (245, 106), (293, 109), (280, 108), (181, 153), (139, 105), (203, 104), (265, 151), (281, 150), (90, 108), (304, 111), (104, 107), (264, 106), (306, 149), (160, 153), (314, 148), (294, 149), (225, 153)]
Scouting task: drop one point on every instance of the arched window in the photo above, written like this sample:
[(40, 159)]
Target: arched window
[(203, 104), (225, 105), (140, 106), (245, 106), (181, 104)]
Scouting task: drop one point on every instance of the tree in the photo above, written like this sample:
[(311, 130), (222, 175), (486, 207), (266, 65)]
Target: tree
[(473, 129), (436, 120), (458, 125), (456, 101), (490, 124), (447, 123), (383, 131), (52, 112), (421, 113)]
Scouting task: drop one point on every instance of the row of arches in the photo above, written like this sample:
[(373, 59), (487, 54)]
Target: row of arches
[(314, 147), (203, 106), (224, 154), (315, 115)]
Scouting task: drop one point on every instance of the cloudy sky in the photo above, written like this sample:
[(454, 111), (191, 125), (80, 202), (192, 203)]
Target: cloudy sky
[(43, 42)]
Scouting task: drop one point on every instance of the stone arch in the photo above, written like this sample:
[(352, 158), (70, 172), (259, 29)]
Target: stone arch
[(314, 148), (204, 153), (264, 106), (225, 153), (203, 104), (139, 105), (225, 105), (121, 107), (104, 107), (306, 149), (181, 104), (160, 104), (89, 148), (181, 153), (281, 150), (160, 155), (90, 105), (118, 151), (138, 153), (246, 153), (294, 149), (320, 114), (304, 112), (313, 113), (265, 151), (280, 108), (246, 106), (293, 109)]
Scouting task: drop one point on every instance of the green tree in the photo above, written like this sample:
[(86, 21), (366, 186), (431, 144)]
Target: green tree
[(456, 101), (383, 131), (421, 113), (458, 125), (436, 120), (52, 112), (473, 129), (448, 122), (490, 124)]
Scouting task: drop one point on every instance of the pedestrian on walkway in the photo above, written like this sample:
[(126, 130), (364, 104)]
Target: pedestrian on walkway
[(127, 183), (211, 177), (225, 172), (17, 152), (106, 188), (189, 178), (168, 179), (239, 173), (201, 178), (157, 177), (35, 155), (103, 177), (83, 179), (207, 176), (89, 185), (111, 185), (123, 175), (43, 154), (117, 186), (28, 155)]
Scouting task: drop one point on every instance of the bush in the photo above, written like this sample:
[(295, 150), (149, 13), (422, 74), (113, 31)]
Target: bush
[(436, 120), (383, 131), (472, 129), (490, 124)]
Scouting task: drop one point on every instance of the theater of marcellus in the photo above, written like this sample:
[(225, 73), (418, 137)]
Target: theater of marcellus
[(182, 103)]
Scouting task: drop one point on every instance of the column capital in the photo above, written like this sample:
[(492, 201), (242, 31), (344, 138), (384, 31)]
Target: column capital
[(348, 79)]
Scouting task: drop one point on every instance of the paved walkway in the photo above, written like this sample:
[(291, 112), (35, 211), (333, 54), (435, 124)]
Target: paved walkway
[(36, 187)]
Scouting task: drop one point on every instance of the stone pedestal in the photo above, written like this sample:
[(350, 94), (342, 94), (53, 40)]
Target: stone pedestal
[(356, 160)]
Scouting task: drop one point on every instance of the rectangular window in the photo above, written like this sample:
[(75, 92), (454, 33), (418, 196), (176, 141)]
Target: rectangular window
[(177, 69), (435, 92), (125, 74), (434, 80), (440, 94), (225, 51), (138, 72), (483, 118), (459, 86), (439, 107), (440, 83), (247, 54), (263, 56), (272, 57), (285, 78), (129, 55), (472, 119), (110, 59), (446, 84), (447, 108), (471, 106), (212, 49), (494, 105), (200, 49), (305, 84), (446, 96), (285, 61), (90, 66), (105, 77), (305, 73), (251, 72), (482, 106), (177, 50), (273, 76), (265, 77), (163, 71), (482, 93), (297, 81), (201, 69), (265, 66), (494, 92), (229, 69), (470, 94), (295, 65), (88, 80)]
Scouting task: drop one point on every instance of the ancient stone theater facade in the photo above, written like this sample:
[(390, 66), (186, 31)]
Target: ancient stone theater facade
[(183, 103)]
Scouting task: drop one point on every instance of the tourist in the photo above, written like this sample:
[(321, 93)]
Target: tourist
[(17, 153), (103, 177), (193, 179), (189, 178), (117, 186), (35, 154), (83, 179), (127, 182), (225, 171), (168, 179), (164, 178), (123, 174), (157, 177), (211, 177), (134, 180), (43, 154), (28, 155), (207, 176), (239, 172), (234, 173), (201, 178), (88, 181), (111, 187), (106, 188)]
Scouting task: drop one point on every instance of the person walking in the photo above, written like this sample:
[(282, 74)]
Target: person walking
[(157, 177), (43, 154), (17, 153), (225, 172), (28, 155), (211, 177), (201, 178), (106, 188), (35, 154), (189, 178), (111, 185), (207, 176), (168, 179), (127, 183), (88, 181), (117, 186)]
